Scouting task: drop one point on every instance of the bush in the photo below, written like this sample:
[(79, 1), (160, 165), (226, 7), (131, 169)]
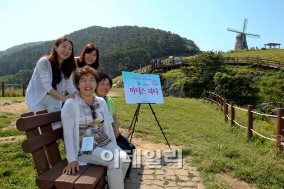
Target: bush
[(238, 88), (263, 48)]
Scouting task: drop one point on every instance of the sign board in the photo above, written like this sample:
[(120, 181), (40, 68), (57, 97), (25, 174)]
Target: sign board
[(142, 88)]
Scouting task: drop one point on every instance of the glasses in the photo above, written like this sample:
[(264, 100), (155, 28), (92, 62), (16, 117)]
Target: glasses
[(84, 82)]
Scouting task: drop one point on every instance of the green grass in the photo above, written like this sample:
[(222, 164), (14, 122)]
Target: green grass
[(12, 98), (6, 119), (214, 145), (16, 167), (269, 54)]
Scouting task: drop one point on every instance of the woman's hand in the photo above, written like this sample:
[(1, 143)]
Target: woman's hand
[(71, 168), (71, 95), (116, 134)]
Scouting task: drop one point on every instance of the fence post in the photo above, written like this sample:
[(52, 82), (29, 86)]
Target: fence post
[(3, 90), (204, 95), (226, 109), (280, 132), (217, 99), (211, 97), (250, 121), (221, 102), (237, 60), (24, 89), (232, 113)]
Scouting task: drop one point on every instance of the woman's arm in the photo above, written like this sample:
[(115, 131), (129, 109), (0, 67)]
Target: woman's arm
[(68, 117), (70, 88), (115, 125), (44, 73)]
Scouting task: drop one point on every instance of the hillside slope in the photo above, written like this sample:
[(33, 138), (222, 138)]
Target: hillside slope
[(121, 48), (18, 48)]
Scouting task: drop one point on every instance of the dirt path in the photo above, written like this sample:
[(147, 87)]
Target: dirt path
[(145, 177)]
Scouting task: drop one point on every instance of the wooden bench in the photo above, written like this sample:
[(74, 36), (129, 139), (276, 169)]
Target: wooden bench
[(47, 158)]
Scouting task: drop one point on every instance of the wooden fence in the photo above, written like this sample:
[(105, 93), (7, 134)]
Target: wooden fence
[(3, 89), (227, 60), (222, 102), (254, 61)]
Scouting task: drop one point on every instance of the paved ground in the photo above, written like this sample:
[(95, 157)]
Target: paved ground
[(160, 173)]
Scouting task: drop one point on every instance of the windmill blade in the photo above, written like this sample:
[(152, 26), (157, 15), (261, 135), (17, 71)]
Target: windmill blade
[(245, 25), (252, 35), (233, 30)]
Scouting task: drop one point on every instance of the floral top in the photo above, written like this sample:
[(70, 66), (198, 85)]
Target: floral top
[(91, 119)]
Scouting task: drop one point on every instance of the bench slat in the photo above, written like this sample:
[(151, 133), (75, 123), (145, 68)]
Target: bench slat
[(31, 122), (46, 180), (40, 160), (32, 144), (67, 181), (91, 177), (126, 134)]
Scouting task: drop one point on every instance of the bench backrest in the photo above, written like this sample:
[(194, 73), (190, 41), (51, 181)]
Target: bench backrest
[(42, 146)]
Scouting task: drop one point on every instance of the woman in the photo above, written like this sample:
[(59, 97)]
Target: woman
[(84, 119), (89, 56), (52, 78), (103, 88)]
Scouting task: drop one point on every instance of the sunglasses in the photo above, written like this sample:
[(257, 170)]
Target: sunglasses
[(94, 114)]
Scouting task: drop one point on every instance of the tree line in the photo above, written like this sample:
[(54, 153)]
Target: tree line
[(121, 48)]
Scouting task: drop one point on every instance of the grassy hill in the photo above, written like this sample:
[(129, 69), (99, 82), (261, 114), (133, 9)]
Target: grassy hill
[(18, 48), (122, 48), (269, 54)]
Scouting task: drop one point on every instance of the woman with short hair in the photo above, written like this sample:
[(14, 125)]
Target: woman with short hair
[(86, 118)]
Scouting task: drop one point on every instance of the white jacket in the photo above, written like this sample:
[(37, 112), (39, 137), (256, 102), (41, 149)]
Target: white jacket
[(70, 121), (40, 83)]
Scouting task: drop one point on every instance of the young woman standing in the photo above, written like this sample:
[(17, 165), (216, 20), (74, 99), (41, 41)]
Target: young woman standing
[(52, 78)]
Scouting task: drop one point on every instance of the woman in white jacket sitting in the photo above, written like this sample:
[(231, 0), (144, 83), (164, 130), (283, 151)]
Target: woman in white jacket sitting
[(88, 133), (52, 78)]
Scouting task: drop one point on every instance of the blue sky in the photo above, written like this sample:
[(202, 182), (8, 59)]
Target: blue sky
[(203, 21)]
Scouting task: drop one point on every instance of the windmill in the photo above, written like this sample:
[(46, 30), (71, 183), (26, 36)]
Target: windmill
[(241, 42)]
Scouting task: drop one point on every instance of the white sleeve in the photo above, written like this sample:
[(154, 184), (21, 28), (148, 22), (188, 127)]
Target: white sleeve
[(70, 85), (42, 67), (68, 122)]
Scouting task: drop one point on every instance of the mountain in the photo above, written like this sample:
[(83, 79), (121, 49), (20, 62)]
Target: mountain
[(121, 48), (18, 48)]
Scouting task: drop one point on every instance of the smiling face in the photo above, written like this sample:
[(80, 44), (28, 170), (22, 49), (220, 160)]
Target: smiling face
[(64, 50), (87, 84), (103, 87), (91, 57)]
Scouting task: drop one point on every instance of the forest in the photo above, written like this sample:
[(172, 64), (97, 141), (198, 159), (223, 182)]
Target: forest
[(121, 48)]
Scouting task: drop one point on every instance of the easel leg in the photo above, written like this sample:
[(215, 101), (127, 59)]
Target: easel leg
[(159, 125), (136, 120), (136, 113)]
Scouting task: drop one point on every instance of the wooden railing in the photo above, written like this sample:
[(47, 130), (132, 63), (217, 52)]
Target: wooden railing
[(254, 61), (222, 102), (264, 63), (3, 88)]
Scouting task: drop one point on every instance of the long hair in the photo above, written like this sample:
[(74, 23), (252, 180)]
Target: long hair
[(88, 49), (69, 65)]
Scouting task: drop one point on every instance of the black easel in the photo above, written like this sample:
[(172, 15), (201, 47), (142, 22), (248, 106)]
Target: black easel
[(135, 119)]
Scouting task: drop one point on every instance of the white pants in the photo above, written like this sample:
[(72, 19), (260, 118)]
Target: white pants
[(46, 104), (115, 173)]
